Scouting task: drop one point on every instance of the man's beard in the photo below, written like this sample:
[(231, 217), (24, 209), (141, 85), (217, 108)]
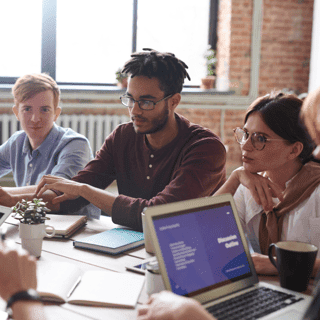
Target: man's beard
[(159, 123)]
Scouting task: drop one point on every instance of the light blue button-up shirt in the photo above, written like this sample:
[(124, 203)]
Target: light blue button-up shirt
[(63, 153)]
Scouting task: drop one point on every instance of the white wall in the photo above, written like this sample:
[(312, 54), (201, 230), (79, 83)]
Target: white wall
[(314, 78)]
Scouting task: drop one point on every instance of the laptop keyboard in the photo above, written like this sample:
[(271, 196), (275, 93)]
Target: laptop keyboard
[(253, 305)]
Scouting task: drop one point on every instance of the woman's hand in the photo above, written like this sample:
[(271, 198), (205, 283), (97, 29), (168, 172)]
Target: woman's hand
[(169, 306), (263, 265), (261, 188)]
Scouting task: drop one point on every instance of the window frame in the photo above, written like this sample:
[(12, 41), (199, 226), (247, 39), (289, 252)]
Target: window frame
[(49, 33)]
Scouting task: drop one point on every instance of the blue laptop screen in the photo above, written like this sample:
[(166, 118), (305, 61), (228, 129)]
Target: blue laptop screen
[(201, 249)]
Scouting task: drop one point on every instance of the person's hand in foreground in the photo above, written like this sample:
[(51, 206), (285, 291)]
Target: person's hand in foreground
[(169, 306), (70, 189), (18, 273)]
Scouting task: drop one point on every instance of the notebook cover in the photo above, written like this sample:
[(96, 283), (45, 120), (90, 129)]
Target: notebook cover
[(112, 241), (66, 225)]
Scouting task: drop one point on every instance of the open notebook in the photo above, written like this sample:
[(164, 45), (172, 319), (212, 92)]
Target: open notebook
[(63, 282), (203, 253)]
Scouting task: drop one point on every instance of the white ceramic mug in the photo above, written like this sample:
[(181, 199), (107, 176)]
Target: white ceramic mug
[(32, 231), (146, 233), (154, 282), (32, 236)]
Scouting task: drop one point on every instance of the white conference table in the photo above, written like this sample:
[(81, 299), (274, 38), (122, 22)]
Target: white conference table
[(62, 250)]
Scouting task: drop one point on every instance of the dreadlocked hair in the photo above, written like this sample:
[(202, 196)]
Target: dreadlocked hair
[(169, 70)]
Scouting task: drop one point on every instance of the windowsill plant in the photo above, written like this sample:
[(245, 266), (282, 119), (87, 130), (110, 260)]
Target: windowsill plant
[(122, 79), (210, 62)]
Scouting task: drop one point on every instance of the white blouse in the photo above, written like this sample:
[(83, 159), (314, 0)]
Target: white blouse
[(301, 224)]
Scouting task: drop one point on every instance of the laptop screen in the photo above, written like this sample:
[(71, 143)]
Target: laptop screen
[(201, 248)]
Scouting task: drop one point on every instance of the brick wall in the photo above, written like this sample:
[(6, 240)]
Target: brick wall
[(286, 44), (285, 53), (223, 54), (240, 48)]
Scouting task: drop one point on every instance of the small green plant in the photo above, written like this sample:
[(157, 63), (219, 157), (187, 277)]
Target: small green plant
[(120, 76), (31, 212), (211, 61)]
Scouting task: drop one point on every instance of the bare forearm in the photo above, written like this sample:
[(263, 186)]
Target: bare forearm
[(28, 310), (28, 192), (10, 196), (100, 198), (230, 186), (21, 190)]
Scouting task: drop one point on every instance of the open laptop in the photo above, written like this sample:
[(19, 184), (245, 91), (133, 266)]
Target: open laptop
[(203, 253), (4, 213)]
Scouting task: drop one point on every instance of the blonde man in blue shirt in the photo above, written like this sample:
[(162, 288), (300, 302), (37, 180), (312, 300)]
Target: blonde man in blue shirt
[(41, 147)]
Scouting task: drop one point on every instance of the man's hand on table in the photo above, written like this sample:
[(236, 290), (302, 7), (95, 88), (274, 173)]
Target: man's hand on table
[(69, 188)]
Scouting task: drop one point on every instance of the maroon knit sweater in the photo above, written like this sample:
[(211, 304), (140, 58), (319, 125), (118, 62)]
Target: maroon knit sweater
[(190, 166)]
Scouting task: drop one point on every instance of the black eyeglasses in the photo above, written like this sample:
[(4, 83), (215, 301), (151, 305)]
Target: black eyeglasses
[(257, 139), (143, 104)]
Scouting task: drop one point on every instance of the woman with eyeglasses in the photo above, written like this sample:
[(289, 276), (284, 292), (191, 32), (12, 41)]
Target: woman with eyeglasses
[(277, 190)]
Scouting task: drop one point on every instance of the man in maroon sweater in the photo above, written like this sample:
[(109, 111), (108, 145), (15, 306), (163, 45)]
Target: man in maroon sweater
[(158, 157)]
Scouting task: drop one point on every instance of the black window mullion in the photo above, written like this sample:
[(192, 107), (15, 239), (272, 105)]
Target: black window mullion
[(213, 23)]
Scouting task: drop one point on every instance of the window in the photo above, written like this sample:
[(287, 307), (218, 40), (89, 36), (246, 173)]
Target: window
[(86, 42), (178, 26), (20, 37), (92, 29)]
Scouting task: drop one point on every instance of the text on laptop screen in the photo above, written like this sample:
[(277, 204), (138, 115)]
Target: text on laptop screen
[(201, 250)]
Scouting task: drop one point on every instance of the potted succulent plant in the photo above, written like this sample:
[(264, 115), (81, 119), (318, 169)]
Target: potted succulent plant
[(209, 81), (122, 79), (32, 227)]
